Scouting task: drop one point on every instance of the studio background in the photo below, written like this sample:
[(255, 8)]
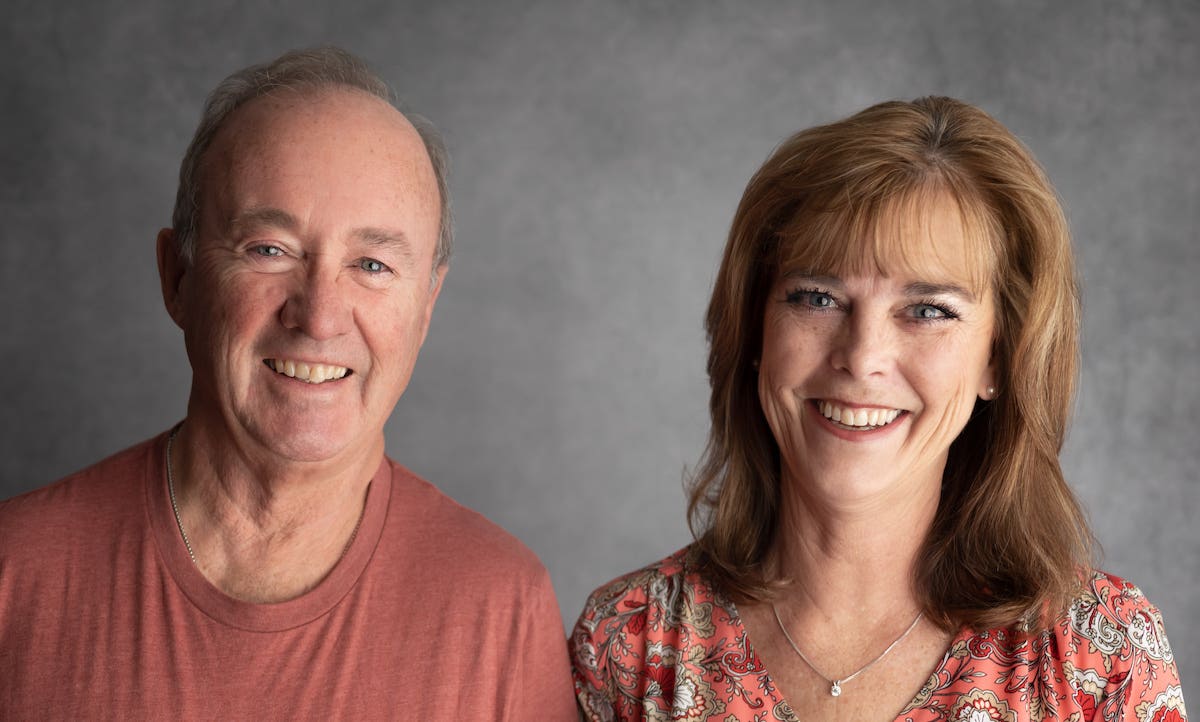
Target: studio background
[(598, 153)]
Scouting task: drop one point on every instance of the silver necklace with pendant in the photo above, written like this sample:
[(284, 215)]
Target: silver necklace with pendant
[(835, 685)]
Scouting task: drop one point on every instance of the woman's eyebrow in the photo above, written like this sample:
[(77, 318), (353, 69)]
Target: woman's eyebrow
[(924, 288), (817, 278)]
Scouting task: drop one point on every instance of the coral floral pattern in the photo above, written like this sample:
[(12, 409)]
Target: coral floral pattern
[(662, 644)]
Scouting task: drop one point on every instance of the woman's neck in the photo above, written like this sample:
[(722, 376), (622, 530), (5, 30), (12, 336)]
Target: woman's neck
[(853, 558)]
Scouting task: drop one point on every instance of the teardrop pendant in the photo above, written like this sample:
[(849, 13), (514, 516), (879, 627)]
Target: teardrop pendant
[(836, 689)]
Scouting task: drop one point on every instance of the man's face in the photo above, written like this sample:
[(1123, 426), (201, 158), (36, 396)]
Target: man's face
[(313, 281)]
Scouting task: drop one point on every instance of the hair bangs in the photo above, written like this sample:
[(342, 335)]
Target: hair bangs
[(892, 232)]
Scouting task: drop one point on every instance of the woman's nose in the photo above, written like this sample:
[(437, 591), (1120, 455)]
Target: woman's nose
[(864, 346)]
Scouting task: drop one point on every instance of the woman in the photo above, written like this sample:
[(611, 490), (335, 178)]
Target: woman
[(883, 527)]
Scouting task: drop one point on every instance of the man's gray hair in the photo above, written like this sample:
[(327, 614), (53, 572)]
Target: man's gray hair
[(314, 69)]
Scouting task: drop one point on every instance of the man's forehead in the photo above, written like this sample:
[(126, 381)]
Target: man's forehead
[(272, 120), (317, 147)]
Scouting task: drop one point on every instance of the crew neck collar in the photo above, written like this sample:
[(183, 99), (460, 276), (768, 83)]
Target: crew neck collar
[(249, 616)]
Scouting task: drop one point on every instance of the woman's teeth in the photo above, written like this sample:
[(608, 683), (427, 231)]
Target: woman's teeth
[(858, 418), (310, 373)]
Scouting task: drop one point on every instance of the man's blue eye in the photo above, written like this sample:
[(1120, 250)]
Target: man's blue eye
[(371, 265), (269, 251)]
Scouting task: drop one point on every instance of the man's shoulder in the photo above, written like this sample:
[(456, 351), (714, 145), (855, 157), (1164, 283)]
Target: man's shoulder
[(79, 502), (448, 531)]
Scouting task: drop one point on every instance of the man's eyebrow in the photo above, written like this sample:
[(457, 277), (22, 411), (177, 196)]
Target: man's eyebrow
[(262, 217), (269, 217), (922, 288), (389, 239)]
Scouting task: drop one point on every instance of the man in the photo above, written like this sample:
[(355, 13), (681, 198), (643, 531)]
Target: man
[(264, 559)]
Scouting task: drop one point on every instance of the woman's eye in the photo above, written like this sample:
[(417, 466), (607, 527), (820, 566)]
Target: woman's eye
[(370, 265), (812, 299), (269, 251), (927, 311)]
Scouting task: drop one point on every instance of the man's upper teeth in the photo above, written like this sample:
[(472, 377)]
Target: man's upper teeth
[(858, 417), (312, 373)]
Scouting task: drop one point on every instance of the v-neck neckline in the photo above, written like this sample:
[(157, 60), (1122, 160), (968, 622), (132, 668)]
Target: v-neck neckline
[(773, 693)]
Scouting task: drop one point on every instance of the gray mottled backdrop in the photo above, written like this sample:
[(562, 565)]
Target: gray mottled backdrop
[(599, 150)]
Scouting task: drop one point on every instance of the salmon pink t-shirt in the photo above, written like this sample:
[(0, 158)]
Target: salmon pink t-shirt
[(434, 613)]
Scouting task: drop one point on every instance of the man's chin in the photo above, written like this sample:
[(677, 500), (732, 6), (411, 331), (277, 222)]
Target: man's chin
[(310, 443)]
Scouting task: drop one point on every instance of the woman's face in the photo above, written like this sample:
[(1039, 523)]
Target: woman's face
[(865, 380)]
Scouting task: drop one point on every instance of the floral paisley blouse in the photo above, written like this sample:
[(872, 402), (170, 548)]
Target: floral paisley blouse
[(662, 644)]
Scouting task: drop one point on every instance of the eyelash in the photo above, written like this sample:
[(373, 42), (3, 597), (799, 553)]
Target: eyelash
[(796, 297), (947, 311), (383, 267)]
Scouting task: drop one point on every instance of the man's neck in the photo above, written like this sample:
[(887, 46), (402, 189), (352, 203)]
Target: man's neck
[(263, 530)]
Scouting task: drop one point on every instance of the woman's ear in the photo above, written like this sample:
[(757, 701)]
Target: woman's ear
[(987, 382)]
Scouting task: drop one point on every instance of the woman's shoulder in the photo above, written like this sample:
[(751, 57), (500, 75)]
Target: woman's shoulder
[(1115, 618), (1105, 656), (671, 599), (1110, 627), (1111, 649), (666, 584), (663, 641)]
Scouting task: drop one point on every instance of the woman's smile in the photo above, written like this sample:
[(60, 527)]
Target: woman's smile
[(856, 418)]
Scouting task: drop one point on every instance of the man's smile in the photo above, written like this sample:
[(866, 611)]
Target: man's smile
[(312, 373)]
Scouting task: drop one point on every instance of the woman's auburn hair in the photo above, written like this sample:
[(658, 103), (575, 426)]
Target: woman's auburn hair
[(1009, 540)]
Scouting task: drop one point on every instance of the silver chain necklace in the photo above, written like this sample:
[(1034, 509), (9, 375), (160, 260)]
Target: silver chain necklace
[(835, 685), (179, 521), (171, 491)]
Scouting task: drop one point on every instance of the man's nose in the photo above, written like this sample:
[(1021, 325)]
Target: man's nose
[(864, 345), (317, 305)]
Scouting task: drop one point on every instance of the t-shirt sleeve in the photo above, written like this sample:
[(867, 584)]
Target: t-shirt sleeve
[(544, 678)]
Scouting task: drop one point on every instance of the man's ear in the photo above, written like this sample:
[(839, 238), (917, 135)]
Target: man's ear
[(435, 288), (171, 270)]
